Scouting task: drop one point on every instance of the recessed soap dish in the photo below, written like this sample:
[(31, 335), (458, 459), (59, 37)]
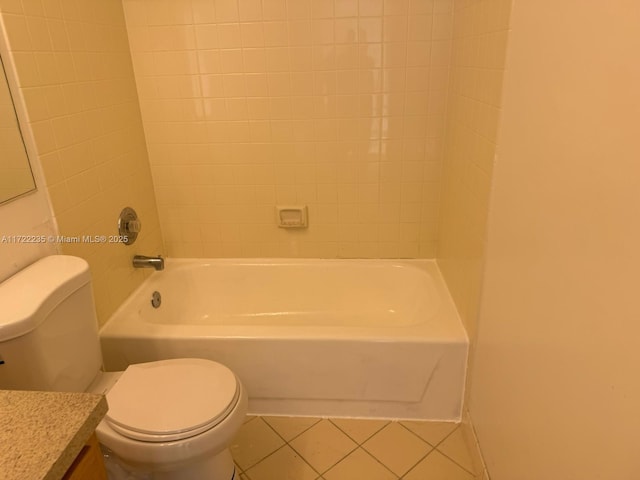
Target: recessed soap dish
[(292, 216)]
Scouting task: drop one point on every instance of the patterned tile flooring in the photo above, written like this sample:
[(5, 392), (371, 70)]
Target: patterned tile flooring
[(302, 448)]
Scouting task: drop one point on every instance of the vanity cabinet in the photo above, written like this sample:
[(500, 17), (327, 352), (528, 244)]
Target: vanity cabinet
[(89, 464), (50, 435)]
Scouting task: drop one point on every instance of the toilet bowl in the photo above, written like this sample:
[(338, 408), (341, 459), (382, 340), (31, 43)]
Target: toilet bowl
[(167, 420), (171, 419)]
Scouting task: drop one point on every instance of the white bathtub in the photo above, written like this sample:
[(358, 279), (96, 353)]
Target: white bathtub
[(357, 338)]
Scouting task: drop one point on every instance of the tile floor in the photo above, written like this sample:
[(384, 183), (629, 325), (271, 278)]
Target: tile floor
[(298, 448)]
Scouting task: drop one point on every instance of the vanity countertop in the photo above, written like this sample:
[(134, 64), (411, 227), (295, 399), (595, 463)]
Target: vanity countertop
[(41, 433)]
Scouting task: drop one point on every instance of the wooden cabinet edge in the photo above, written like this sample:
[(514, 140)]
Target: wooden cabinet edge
[(89, 464)]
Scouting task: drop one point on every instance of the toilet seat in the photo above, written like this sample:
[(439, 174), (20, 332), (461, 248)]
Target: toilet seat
[(171, 399)]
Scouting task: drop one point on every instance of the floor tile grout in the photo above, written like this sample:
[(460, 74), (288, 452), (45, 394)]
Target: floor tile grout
[(297, 453), (268, 455), (377, 460), (304, 459), (418, 436), (435, 448), (360, 445), (350, 451), (366, 439), (250, 418), (345, 456), (447, 436), (284, 439), (454, 461), (417, 463)]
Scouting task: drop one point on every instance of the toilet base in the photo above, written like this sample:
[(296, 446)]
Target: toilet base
[(217, 467)]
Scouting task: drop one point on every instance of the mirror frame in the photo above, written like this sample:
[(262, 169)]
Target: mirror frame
[(12, 85)]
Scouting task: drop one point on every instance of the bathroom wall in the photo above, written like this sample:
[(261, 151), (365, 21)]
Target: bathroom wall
[(555, 389), (75, 74), (479, 42), (336, 105), (29, 215)]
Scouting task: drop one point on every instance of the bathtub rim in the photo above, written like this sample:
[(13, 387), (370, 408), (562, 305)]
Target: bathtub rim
[(449, 330)]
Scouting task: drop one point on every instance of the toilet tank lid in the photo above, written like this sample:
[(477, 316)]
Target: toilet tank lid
[(28, 296)]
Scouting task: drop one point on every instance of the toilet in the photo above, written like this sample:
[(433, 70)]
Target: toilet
[(167, 420)]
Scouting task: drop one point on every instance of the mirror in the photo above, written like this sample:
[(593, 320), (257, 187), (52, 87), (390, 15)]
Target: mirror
[(16, 177)]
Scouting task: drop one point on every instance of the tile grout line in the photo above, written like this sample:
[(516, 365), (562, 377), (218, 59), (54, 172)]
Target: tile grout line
[(417, 463), (454, 461), (242, 471), (420, 460), (305, 460), (358, 445), (286, 443), (447, 436), (475, 450), (413, 433), (274, 452), (269, 454), (419, 437), (444, 454), (297, 435), (343, 458), (366, 439), (378, 460), (434, 446), (435, 449)]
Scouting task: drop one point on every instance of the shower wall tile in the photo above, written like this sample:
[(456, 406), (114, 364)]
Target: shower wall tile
[(338, 105), (480, 30), (74, 71)]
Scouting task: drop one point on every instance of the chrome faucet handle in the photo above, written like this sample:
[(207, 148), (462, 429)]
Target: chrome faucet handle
[(133, 226), (128, 225)]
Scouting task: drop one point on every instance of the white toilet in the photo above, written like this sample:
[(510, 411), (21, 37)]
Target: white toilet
[(167, 420)]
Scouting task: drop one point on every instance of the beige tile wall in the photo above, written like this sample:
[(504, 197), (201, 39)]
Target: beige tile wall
[(338, 105), (75, 73), (479, 44), (29, 214)]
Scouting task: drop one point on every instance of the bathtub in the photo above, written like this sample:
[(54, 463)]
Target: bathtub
[(339, 338)]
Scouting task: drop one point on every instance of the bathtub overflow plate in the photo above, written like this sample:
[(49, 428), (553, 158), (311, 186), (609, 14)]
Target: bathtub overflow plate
[(156, 299)]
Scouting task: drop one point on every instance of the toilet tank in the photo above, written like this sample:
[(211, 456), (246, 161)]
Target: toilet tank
[(48, 327)]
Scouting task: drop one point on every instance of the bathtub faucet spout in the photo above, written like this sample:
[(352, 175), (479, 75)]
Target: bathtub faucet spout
[(140, 261)]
